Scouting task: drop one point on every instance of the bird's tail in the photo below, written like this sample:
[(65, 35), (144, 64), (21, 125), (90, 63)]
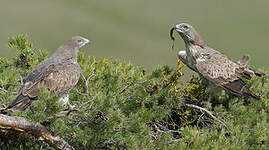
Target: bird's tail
[(237, 87), (259, 74), (249, 71), (21, 103), (247, 93)]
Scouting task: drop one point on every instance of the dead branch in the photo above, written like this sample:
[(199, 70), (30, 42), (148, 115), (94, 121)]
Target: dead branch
[(9, 125), (207, 112)]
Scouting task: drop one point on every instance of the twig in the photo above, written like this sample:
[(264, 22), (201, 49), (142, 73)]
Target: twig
[(207, 112), (131, 84), (4, 90), (87, 80), (126, 87), (76, 89), (65, 113), (87, 102), (10, 125), (21, 79), (3, 105)]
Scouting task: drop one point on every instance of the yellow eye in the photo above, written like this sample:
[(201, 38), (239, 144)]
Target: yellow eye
[(79, 42), (185, 28)]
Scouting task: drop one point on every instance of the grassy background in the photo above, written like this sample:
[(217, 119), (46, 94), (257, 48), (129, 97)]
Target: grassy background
[(138, 30)]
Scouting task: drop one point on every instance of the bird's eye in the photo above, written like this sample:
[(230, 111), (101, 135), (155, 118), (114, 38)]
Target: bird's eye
[(79, 42), (185, 28)]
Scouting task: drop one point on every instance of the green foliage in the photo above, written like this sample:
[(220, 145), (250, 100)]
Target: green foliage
[(26, 56), (117, 105)]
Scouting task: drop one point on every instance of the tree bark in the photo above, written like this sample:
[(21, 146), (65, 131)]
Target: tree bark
[(10, 125)]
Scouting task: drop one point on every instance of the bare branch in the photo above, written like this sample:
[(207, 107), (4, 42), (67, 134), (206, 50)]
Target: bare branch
[(21, 79), (9, 125), (4, 90), (125, 88), (87, 80), (207, 112), (131, 84)]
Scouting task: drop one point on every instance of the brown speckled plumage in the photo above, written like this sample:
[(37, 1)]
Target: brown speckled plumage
[(59, 74), (213, 65)]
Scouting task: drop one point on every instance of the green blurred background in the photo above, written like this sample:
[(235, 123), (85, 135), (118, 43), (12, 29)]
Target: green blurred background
[(138, 30)]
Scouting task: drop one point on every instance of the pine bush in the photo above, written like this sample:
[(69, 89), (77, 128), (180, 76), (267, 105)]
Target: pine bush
[(117, 105)]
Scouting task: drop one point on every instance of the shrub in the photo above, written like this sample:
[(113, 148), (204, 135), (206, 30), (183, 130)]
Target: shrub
[(117, 105)]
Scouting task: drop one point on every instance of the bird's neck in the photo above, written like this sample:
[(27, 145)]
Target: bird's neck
[(64, 53), (193, 51)]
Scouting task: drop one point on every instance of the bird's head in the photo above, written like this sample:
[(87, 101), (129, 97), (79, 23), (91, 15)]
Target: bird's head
[(188, 34), (71, 47), (79, 41)]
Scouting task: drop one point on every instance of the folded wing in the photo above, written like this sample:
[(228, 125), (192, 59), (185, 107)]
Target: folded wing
[(225, 73), (57, 77)]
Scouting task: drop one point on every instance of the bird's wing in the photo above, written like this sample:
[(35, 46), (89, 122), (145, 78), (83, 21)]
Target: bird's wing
[(36, 76), (60, 70), (217, 68), (57, 77), (223, 72), (62, 77)]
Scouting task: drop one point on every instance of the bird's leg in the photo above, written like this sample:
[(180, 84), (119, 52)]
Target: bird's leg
[(218, 98), (31, 109), (246, 101), (212, 94), (226, 101), (213, 100), (65, 100)]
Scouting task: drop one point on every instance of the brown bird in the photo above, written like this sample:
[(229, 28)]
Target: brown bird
[(213, 65), (59, 74), (182, 55)]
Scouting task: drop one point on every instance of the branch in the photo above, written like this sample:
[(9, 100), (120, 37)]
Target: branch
[(9, 125), (131, 84), (207, 112), (4, 90)]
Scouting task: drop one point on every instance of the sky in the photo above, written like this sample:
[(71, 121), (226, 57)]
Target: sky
[(137, 31)]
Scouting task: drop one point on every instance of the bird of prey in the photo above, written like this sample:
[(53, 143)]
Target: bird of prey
[(59, 74), (213, 65), (182, 55)]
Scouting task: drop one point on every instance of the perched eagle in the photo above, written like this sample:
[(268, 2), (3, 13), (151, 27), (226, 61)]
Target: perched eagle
[(59, 74), (213, 65), (182, 55)]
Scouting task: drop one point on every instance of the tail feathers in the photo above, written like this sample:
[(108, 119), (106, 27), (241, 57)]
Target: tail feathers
[(244, 60), (21, 103), (237, 87), (248, 72), (248, 94), (259, 74)]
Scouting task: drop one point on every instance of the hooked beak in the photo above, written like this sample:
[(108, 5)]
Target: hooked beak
[(179, 29), (85, 41)]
